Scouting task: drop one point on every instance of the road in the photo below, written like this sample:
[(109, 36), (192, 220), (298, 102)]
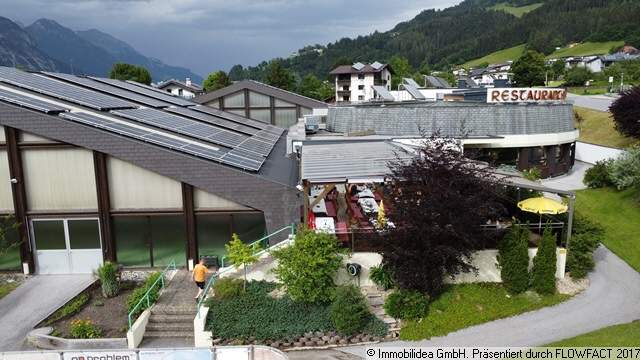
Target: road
[(32, 302), (594, 102)]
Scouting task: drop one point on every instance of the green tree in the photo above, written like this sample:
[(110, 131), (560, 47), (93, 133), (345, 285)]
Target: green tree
[(241, 254), (312, 87), (123, 71), (237, 73), (529, 70), (7, 224), (279, 77), (577, 76), (513, 258), (307, 268), (216, 80), (558, 69), (543, 274), (401, 69)]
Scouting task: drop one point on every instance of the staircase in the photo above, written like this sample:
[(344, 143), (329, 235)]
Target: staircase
[(375, 300), (172, 316)]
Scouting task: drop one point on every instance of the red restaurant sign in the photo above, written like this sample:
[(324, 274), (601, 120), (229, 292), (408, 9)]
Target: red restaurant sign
[(524, 95)]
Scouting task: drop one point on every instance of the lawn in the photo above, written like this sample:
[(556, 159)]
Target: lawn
[(587, 48), (466, 305), (598, 128), (624, 335), (618, 212), (497, 57), (7, 287), (589, 90), (513, 10)]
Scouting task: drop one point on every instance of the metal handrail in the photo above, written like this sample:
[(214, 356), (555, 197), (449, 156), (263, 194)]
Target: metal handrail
[(212, 279), (145, 298)]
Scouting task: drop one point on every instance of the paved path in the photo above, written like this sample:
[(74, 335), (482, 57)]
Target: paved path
[(32, 302), (611, 299), (571, 181), (594, 102)]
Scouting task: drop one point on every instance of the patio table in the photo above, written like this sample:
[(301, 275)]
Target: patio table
[(326, 224)]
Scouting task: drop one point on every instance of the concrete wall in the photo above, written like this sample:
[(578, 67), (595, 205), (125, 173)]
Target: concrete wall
[(591, 153), (136, 333), (364, 259), (202, 338)]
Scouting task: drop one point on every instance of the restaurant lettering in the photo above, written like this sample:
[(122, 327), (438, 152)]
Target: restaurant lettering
[(523, 95)]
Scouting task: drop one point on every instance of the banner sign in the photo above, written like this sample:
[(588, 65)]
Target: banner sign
[(100, 355), (525, 95), (175, 354)]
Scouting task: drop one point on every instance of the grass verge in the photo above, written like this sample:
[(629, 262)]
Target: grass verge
[(618, 213), (597, 127), (613, 336), (466, 305), (497, 57), (517, 11), (7, 287), (259, 315), (586, 48)]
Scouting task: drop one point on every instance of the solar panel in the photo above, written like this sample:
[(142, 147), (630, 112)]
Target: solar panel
[(61, 90), (144, 91), (410, 81), (383, 93), (145, 135), (358, 66), (230, 116), (111, 90), (415, 93), (30, 103), (256, 146), (184, 126), (213, 120), (244, 159)]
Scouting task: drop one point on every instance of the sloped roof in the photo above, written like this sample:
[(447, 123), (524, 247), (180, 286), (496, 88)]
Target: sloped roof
[(195, 88), (265, 89), (367, 69)]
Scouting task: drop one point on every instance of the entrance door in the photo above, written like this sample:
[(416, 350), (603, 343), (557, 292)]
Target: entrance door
[(66, 246)]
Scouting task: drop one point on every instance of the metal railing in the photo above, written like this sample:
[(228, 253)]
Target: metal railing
[(146, 299), (292, 231)]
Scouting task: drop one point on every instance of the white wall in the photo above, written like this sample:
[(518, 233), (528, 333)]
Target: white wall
[(206, 201), (591, 153), (6, 197), (175, 90), (59, 179)]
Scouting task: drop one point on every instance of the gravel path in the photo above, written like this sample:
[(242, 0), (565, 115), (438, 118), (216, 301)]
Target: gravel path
[(611, 299)]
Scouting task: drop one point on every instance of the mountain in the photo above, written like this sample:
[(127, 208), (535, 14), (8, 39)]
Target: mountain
[(440, 39), (89, 52), (125, 53), (18, 49)]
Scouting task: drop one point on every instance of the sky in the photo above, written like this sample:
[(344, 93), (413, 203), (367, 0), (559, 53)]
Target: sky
[(210, 35)]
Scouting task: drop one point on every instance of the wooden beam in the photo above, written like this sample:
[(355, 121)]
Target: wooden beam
[(190, 223), (19, 197), (305, 201), (104, 206), (323, 194)]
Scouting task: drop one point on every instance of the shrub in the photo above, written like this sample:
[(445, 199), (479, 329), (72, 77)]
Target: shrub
[(598, 176), (625, 171), (577, 76), (381, 276), (307, 268), (70, 308), (532, 174), (513, 259), (84, 329), (543, 274), (626, 112), (108, 275), (349, 312), (406, 305), (227, 288), (242, 254), (585, 239), (139, 292)]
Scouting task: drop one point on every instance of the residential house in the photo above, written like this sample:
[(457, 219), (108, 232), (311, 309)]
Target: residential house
[(355, 83), (186, 89)]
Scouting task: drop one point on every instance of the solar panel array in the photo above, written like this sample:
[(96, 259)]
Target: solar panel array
[(414, 91), (144, 91), (410, 81), (31, 103), (184, 126), (111, 90), (61, 90), (165, 121), (383, 93)]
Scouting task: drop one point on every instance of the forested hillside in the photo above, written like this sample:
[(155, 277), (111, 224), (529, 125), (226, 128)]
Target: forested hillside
[(440, 39)]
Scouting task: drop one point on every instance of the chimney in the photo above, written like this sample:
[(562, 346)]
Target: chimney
[(188, 82)]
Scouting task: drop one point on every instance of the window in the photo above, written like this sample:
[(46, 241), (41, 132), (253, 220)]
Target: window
[(214, 231), (84, 234), (361, 76), (346, 98), (179, 92), (10, 260), (49, 235), (345, 88), (361, 97), (286, 117), (360, 87)]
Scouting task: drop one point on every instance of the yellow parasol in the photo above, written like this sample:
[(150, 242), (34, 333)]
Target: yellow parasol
[(382, 221), (542, 205)]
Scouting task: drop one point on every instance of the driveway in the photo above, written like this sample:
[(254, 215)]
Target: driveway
[(611, 299), (594, 102), (32, 302)]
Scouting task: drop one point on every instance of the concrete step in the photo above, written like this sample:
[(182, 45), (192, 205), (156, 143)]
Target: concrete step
[(168, 334), (375, 301), (171, 318), (174, 310), (169, 327)]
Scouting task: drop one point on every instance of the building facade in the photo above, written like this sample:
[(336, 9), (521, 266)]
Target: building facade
[(355, 83), (263, 103), (186, 89)]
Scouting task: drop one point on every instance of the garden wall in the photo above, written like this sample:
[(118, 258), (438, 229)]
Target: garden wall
[(591, 153)]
